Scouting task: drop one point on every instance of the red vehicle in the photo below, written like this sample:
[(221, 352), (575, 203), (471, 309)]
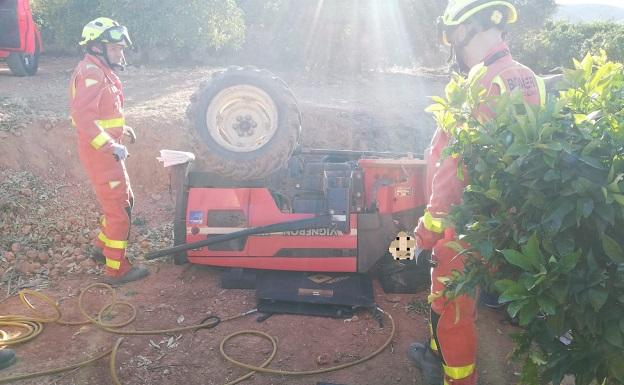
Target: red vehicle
[(259, 202), (20, 40), (337, 213)]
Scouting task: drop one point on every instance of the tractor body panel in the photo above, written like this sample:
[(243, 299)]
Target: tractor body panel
[(374, 199)]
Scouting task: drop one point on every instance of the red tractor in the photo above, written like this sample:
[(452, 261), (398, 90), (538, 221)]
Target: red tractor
[(262, 203), (20, 40)]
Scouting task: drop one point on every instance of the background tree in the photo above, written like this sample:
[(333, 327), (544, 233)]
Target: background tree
[(169, 26), (551, 48), (341, 36)]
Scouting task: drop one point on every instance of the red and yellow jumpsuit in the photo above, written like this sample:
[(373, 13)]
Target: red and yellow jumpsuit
[(96, 100), (453, 332)]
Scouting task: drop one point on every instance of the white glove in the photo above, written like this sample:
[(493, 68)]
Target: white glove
[(127, 130), (120, 152)]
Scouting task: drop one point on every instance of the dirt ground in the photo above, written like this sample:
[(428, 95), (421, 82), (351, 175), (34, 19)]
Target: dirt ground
[(48, 215)]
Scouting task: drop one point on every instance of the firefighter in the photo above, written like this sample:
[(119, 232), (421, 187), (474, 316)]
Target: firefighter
[(475, 31), (7, 358), (97, 113)]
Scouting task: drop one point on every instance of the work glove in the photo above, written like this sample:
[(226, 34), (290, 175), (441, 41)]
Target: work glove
[(120, 152), (127, 130)]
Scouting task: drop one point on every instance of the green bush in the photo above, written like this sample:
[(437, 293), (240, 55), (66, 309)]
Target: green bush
[(166, 26), (339, 36), (352, 36), (348, 36), (554, 45), (61, 22), (544, 215)]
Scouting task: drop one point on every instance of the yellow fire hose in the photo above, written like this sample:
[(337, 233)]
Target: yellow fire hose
[(33, 326)]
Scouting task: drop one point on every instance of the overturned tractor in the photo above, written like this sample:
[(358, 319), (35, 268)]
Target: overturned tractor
[(263, 202)]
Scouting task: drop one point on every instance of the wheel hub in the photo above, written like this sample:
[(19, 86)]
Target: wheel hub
[(242, 118), (244, 126)]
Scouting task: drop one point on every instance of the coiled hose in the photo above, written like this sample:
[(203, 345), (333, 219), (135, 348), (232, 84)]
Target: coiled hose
[(33, 326)]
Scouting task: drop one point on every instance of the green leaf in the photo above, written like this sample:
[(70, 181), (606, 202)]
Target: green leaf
[(619, 198), (435, 107), (532, 249), (579, 118), (569, 261), (518, 259), (585, 207), (583, 185), (527, 313), (591, 146), (613, 335), (556, 217), (493, 194), (503, 284), (538, 358), (597, 297), (577, 64), (612, 249), (534, 281), (513, 293), (486, 248), (587, 64), (592, 162), (547, 305), (438, 100), (552, 146), (559, 291), (552, 175), (514, 307), (605, 213), (517, 149)]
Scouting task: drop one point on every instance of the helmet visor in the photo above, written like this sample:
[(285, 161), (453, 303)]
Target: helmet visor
[(117, 35)]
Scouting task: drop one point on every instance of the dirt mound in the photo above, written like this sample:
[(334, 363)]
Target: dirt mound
[(46, 231)]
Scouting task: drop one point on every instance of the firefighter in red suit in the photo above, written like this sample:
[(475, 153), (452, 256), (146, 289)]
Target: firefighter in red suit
[(96, 100), (475, 31)]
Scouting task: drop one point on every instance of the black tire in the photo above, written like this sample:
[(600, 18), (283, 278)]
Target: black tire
[(272, 154), (22, 64)]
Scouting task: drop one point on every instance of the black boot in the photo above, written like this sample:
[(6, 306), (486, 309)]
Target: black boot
[(7, 358), (134, 274), (428, 362)]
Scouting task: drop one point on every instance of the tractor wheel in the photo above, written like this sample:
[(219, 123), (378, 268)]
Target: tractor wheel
[(22, 64), (248, 120)]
